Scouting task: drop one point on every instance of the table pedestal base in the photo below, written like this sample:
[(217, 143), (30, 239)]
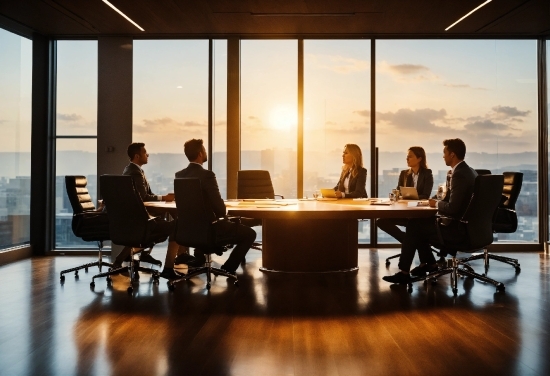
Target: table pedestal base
[(309, 245)]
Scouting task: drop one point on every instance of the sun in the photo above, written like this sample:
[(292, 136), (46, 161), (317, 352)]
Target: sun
[(283, 118)]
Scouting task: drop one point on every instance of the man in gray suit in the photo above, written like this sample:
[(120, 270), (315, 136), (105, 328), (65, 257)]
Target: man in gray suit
[(138, 157), (422, 231), (227, 232)]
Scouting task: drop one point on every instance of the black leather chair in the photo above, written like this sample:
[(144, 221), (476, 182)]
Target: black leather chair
[(87, 223), (506, 219), (130, 224), (255, 184), (482, 171), (195, 229), (477, 227)]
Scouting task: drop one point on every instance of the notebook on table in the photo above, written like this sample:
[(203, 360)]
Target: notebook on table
[(409, 193), (328, 193)]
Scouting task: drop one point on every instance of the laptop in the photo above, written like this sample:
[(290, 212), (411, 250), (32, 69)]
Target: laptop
[(328, 192), (409, 193)]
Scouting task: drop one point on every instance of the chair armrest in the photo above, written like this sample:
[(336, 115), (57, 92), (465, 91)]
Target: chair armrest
[(281, 196)]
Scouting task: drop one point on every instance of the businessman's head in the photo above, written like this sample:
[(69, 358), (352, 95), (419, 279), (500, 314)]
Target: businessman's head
[(195, 151), (137, 153), (454, 151)]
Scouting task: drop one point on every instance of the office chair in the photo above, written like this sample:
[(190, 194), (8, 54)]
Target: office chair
[(254, 184), (130, 224), (476, 225), (87, 224), (506, 219), (441, 258), (194, 228)]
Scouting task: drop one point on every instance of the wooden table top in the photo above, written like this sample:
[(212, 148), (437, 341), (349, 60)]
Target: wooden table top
[(340, 209)]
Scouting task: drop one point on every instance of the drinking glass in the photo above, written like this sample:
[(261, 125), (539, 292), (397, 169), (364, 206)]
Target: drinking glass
[(316, 194), (441, 191)]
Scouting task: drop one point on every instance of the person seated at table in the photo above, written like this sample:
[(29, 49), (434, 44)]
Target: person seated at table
[(138, 157), (419, 176), (227, 232), (421, 232), (353, 179)]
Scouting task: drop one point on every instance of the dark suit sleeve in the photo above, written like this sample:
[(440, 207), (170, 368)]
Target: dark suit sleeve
[(427, 185), (401, 180), (461, 193), (141, 185), (213, 192), (360, 190)]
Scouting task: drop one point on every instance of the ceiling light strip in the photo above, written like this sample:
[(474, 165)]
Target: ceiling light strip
[(123, 15), (472, 11)]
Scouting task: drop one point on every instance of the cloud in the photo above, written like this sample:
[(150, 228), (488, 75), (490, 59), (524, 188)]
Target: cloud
[(464, 86), (68, 117), (407, 72), (421, 120), (486, 125), (365, 113), (507, 111), (167, 124), (337, 63)]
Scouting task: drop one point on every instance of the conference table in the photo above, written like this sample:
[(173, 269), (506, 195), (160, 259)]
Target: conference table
[(309, 235)]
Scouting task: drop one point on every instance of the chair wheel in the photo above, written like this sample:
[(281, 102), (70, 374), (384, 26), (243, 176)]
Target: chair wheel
[(62, 278), (208, 286), (500, 287), (86, 270), (130, 289), (109, 279), (171, 286), (388, 262), (76, 273), (92, 284), (455, 291), (236, 283)]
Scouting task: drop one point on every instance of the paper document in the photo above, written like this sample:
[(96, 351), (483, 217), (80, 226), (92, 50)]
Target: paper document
[(418, 203)]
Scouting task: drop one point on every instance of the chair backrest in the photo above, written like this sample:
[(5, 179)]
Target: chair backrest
[(483, 171), (78, 194), (512, 188), (254, 184), (481, 209), (127, 215), (194, 228)]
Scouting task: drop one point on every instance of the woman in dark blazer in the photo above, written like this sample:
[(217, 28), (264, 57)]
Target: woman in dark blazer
[(418, 175), (353, 179)]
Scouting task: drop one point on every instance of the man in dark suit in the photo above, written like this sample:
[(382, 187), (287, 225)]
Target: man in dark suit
[(421, 232), (228, 232), (138, 157)]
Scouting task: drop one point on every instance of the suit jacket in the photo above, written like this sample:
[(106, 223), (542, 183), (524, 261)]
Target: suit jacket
[(357, 184), (462, 186), (142, 186), (424, 184), (209, 185)]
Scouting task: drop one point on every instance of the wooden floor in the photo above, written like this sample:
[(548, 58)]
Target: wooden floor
[(274, 324)]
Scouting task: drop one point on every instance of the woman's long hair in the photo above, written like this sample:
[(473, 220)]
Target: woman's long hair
[(355, 152), (419, 152)]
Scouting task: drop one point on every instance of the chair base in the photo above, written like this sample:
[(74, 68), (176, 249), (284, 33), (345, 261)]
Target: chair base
[(133, 269), (208, 270), (457, 267), (99, 263), (486, 256)]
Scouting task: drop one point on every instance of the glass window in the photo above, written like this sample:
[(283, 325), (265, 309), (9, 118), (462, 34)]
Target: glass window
[(483, 91), (170, 104), (336, 111), (269, 97), (76, 131), (219, 147), (15, 143)]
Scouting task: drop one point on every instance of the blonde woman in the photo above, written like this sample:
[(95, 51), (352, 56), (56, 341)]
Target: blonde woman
[(353, 178)]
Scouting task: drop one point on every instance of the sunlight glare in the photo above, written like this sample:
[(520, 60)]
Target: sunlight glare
[(283, 118)]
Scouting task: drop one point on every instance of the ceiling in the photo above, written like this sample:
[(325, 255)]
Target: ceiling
[(279, 18)]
